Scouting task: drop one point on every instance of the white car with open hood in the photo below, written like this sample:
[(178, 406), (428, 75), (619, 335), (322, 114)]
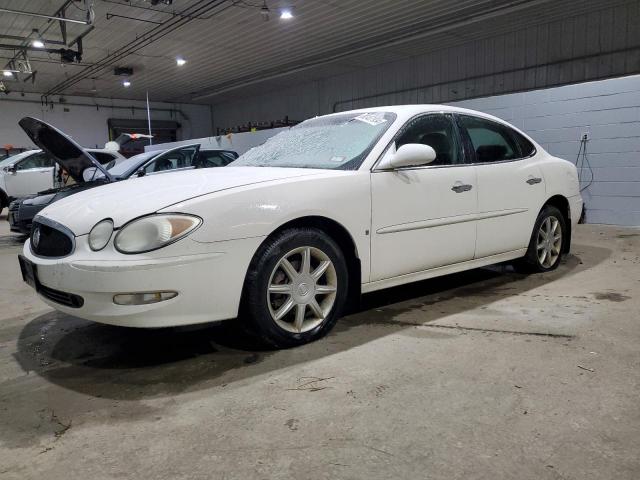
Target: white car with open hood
[(283, 237)]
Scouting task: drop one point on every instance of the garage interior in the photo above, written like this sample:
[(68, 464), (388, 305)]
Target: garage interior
[(481, 374)]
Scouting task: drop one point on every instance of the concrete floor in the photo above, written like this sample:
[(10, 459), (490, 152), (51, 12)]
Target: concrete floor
[(485, 374)]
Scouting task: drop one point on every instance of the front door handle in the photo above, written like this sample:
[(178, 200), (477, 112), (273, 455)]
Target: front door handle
[(461, 187), (534, 180)]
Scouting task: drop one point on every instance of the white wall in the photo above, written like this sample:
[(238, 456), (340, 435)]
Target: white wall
[(609, 111), (88, 124)]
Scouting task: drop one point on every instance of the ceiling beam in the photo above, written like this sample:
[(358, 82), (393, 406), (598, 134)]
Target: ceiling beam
[(48, 17)]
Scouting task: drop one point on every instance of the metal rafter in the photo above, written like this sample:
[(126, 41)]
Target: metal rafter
[(147, 38)]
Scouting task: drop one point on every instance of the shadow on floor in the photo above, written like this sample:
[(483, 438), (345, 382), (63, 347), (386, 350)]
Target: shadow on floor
[(131, 364)]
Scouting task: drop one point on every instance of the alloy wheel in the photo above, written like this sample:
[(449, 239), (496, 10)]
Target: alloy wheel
[(302, 289), (549, 241)]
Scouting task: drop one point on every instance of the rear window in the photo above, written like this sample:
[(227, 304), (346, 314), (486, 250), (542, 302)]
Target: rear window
[(527, 148)]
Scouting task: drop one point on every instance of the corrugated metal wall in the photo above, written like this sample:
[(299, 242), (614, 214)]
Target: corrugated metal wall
[(601, 44)]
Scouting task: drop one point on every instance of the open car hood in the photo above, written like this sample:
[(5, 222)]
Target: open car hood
[(67, 153)]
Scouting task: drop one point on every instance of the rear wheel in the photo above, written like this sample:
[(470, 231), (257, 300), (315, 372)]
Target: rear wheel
[(296, 288), (546, 245)]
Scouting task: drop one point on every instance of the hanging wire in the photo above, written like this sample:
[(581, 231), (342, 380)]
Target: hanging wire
[(582, 159)]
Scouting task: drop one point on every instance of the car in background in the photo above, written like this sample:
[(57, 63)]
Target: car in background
[(32, 171), (9, 151), (22, 211)]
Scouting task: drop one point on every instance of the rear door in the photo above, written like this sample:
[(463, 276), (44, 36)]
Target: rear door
[(33, 174), (510, 185)]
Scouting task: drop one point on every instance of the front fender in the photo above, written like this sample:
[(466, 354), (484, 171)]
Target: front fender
[(258, 210)]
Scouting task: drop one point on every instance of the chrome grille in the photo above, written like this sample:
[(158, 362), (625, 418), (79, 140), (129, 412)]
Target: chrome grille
[(50, 239)]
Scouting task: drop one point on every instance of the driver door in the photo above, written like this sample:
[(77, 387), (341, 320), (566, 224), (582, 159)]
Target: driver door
[(33, 174), (423, 217)]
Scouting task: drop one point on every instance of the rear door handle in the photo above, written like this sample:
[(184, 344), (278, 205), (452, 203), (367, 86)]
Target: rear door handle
[(534, 180), (461, 187)]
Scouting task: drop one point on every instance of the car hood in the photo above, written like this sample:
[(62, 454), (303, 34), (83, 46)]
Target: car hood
[(67, 153), (128, 199)]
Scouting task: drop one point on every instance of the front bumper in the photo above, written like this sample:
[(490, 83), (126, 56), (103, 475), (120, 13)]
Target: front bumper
[(208, 279)]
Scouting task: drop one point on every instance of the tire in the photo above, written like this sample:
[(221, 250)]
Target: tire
[(543, 256), (283, 304)]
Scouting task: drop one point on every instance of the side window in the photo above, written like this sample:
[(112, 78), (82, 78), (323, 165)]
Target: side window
[(172, 160), (37, 160), (491, 141), (526, 147), (437, 131), (215, 159)]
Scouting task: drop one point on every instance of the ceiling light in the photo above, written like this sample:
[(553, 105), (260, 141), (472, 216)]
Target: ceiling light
[(180, 61), (7, 73), (37, 44), (286, 14), (126, 83)]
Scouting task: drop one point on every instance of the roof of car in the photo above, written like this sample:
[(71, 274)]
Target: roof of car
[(411, 110), (405, 112)]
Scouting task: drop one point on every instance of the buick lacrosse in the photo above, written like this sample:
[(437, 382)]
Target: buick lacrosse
[(283, 237)]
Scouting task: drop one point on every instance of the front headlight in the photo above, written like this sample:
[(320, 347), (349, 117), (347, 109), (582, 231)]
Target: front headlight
[(154, 232), (100, 234)]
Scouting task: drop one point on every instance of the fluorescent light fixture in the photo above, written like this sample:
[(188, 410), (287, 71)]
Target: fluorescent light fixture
[(126, 83), (285, 14), (7, 73), (180, 61), (37, 44)]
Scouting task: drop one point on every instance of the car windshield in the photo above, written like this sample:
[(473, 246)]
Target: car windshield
[(336, 142), (130, 165), (6, 161)]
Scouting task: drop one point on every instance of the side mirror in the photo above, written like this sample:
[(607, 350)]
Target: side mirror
[(141, 173), (409, 155), (11, 169)]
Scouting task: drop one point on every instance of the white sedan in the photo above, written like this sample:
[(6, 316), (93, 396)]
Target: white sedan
[(33, 171), (283, 237)]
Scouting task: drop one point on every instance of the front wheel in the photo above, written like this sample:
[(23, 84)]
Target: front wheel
[(296, 288), (546, 244)]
